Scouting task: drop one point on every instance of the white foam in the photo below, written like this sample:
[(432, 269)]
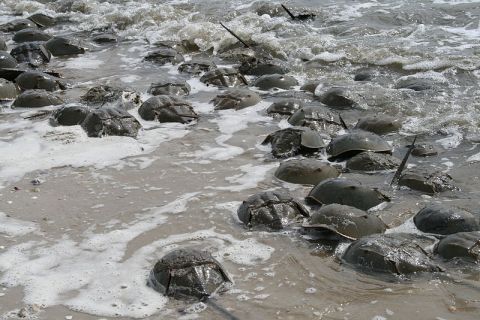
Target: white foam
[(249, 179), (93, 274), (15, 227), (87, 61)]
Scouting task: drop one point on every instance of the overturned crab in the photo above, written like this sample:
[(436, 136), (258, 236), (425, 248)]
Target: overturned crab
[(272, 210)]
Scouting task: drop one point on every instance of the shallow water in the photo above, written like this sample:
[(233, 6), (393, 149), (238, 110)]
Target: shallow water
[(83, 241)]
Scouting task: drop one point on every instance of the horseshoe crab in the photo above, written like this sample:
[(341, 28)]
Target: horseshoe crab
[(104, 38), (167, 109), (257, 67), (354, 142), (379, 124), (7, 61), (424, 150), (224, 77), (8, 90), (394, 253), (110, 122), (460, 245), (305, 171), (29, 35), (347, 192), (414, 84), (270, 209), (426, 181), (60, 46), (310, 86), (42, 20), (196, 67), (188, 273), (363, 76), (176, 88), (36, 99), (337, 98), (236, 99), (315, 118), (343, 222), (38, 80), (285, 107), (33, 53), (105, 94), (164, 55), (17, 24), (69, 116), (275, 81), (441, 219), (372, 161), (293, 141)]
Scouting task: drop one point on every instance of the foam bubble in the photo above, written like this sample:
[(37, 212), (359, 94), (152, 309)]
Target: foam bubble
[(15, 227)]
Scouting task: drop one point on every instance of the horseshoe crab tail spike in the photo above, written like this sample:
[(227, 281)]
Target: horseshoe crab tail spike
[(396, 177), (344, 125), (233, 34), (224, 312), (288, 11)]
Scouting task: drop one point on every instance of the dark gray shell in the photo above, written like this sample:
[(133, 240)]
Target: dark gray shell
[(176, 88), (8, 90), (236, 99), (36, 99), (293, 141), (379, 124), (316, 118), (337, 98), (354, 142), (285, 107), (167, 109), (164, 55), (424, 150), (414, 84), (270, 209), (363, 76), (42, 20), (69, 116), (224, 77), (345, 221), (29, 35), (38, 80), (372, 161), (275, 81), (254, 67), (105, 94), (440, 219), (310, 86), (60, 46), (188, 274), (394, 253), (305, 171), (17, 24), (347, 192), (33, 53), (196, 67), (110, 122), (7, 61), (105, 38), (464, 245), (426, 181)]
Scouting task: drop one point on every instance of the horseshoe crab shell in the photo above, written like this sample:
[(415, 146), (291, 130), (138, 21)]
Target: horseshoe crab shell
[(110, 122), (345, 221), (441, 219), (176, 88), (460, 245), (17, 24), (272, 81), (292, 141), (7, 61), (255, 67), (236, 99), (270, 209), (224, 77), (426, 181), (104, 94), (36, 99), (167, 109), (379, 124), (165, 55), (285, 107), (424, 150), (305, 171), (196, 67), (42, 20), (38, 80), (394, 253), (372, 161), (60, 46), (33, 53), (337, 98), (69, 116), (316, 118), (29, 35), (354, 142), (8, 90), (188, 274), (346, 192)]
